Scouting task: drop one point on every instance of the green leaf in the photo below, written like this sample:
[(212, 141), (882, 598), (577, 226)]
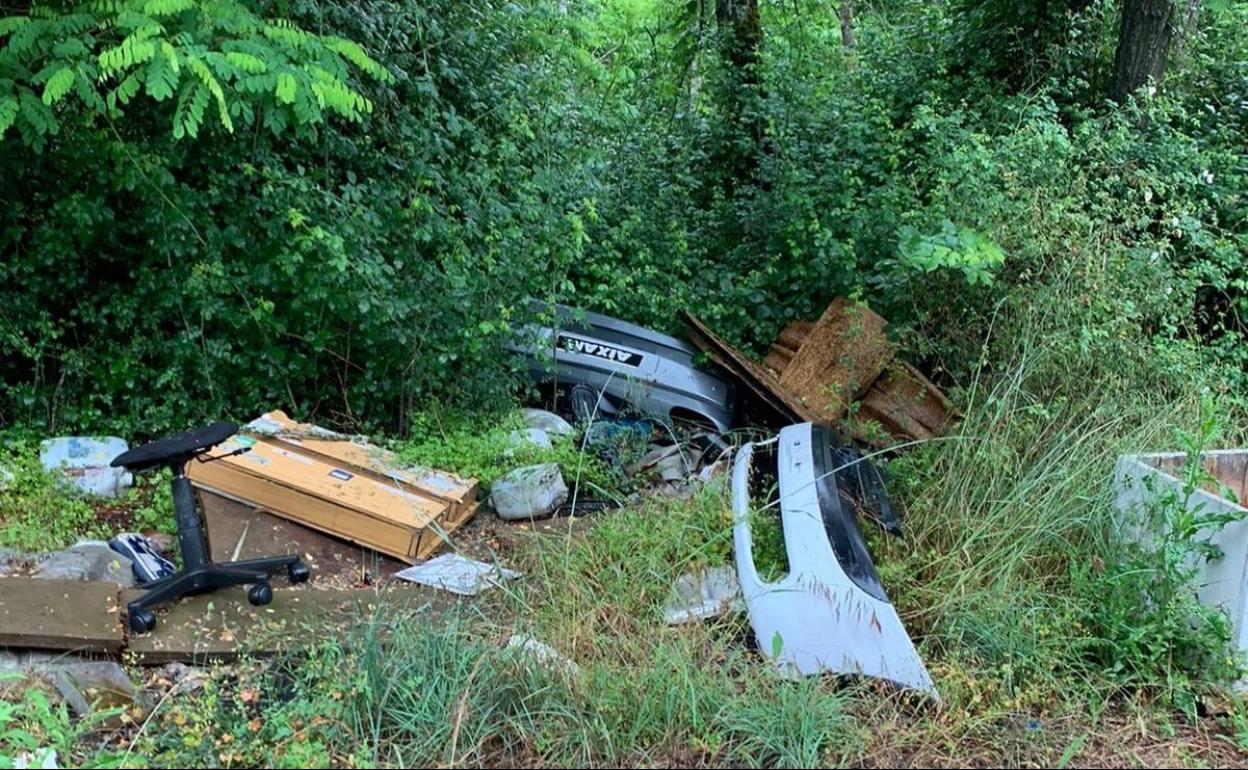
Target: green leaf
[(246, 62), (8, 113), (286, 88), (58, 85), (10, 23), (167, 7)]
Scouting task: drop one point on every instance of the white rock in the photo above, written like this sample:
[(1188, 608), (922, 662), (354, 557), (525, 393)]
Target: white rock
[(543, 654), (701, 595), (520, 439), (529, 493), (547, 421)]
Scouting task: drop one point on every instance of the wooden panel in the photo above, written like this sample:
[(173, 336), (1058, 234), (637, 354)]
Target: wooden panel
[(387, 537), (840, 357), (60, 615), (221, 624), (431, 539), (235, 527), (761, 382), (315, 477)]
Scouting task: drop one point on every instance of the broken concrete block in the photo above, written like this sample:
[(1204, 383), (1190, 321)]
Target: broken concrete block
[(704, 594), (543, 654), (84, 463), (529, 493), (550, 422), (6, 477), (87, 561)]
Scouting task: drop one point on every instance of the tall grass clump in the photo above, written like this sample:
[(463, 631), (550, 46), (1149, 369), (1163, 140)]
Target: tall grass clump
[(1013, 534)]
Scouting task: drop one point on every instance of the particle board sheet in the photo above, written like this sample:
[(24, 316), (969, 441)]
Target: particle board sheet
[(60, 615)]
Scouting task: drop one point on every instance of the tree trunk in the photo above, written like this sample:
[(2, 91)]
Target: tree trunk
[(1143, 42), (741, 35), (1187, 30), (846, 12)]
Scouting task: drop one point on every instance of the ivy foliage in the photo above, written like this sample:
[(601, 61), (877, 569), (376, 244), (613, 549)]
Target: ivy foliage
[(213, 60)]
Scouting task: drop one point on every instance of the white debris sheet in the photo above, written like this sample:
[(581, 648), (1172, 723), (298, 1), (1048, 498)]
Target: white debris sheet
[(457, 574)]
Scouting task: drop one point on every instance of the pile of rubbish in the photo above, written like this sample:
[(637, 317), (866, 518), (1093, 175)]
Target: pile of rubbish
[(646, 403)]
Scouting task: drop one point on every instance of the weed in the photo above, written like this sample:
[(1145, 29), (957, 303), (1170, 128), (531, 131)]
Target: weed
[(486, 454), (33, 724), (37, 511), (1155, 633)]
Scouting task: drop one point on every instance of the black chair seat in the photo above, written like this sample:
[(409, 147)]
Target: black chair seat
[(172, 447)]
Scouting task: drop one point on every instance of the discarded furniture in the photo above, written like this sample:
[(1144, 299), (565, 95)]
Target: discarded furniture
[(354, 491), (652, 372), (199, 573), (830, 612), (1141, 480)]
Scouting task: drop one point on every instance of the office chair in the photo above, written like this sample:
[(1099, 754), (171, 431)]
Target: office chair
[(198, 574)]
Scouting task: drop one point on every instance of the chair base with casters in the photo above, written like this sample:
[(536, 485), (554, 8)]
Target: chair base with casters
[(199, 574)]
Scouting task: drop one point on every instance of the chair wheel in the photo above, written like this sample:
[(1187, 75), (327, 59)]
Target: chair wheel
[(298, 572), (142, 621), (260, 594)]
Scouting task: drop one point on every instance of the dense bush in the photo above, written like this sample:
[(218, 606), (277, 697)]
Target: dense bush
[(351, 270), (576, 151)]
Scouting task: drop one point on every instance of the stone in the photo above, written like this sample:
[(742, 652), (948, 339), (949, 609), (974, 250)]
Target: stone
[(6, 477), (531, 492), (705, 594), (529, 437), (86, 561), (543, 654), (90, 686), (550, 422)]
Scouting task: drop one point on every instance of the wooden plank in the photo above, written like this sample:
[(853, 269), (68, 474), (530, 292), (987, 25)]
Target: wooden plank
[(761, 382), (60, 615), (310, 476), (221, 625)]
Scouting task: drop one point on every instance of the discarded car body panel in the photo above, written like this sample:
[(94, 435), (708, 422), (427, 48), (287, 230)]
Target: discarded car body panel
[(652, 372), (830, 613)]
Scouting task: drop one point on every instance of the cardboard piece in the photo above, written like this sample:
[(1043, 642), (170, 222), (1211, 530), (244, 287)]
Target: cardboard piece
[(390, 515), (60, 615)]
